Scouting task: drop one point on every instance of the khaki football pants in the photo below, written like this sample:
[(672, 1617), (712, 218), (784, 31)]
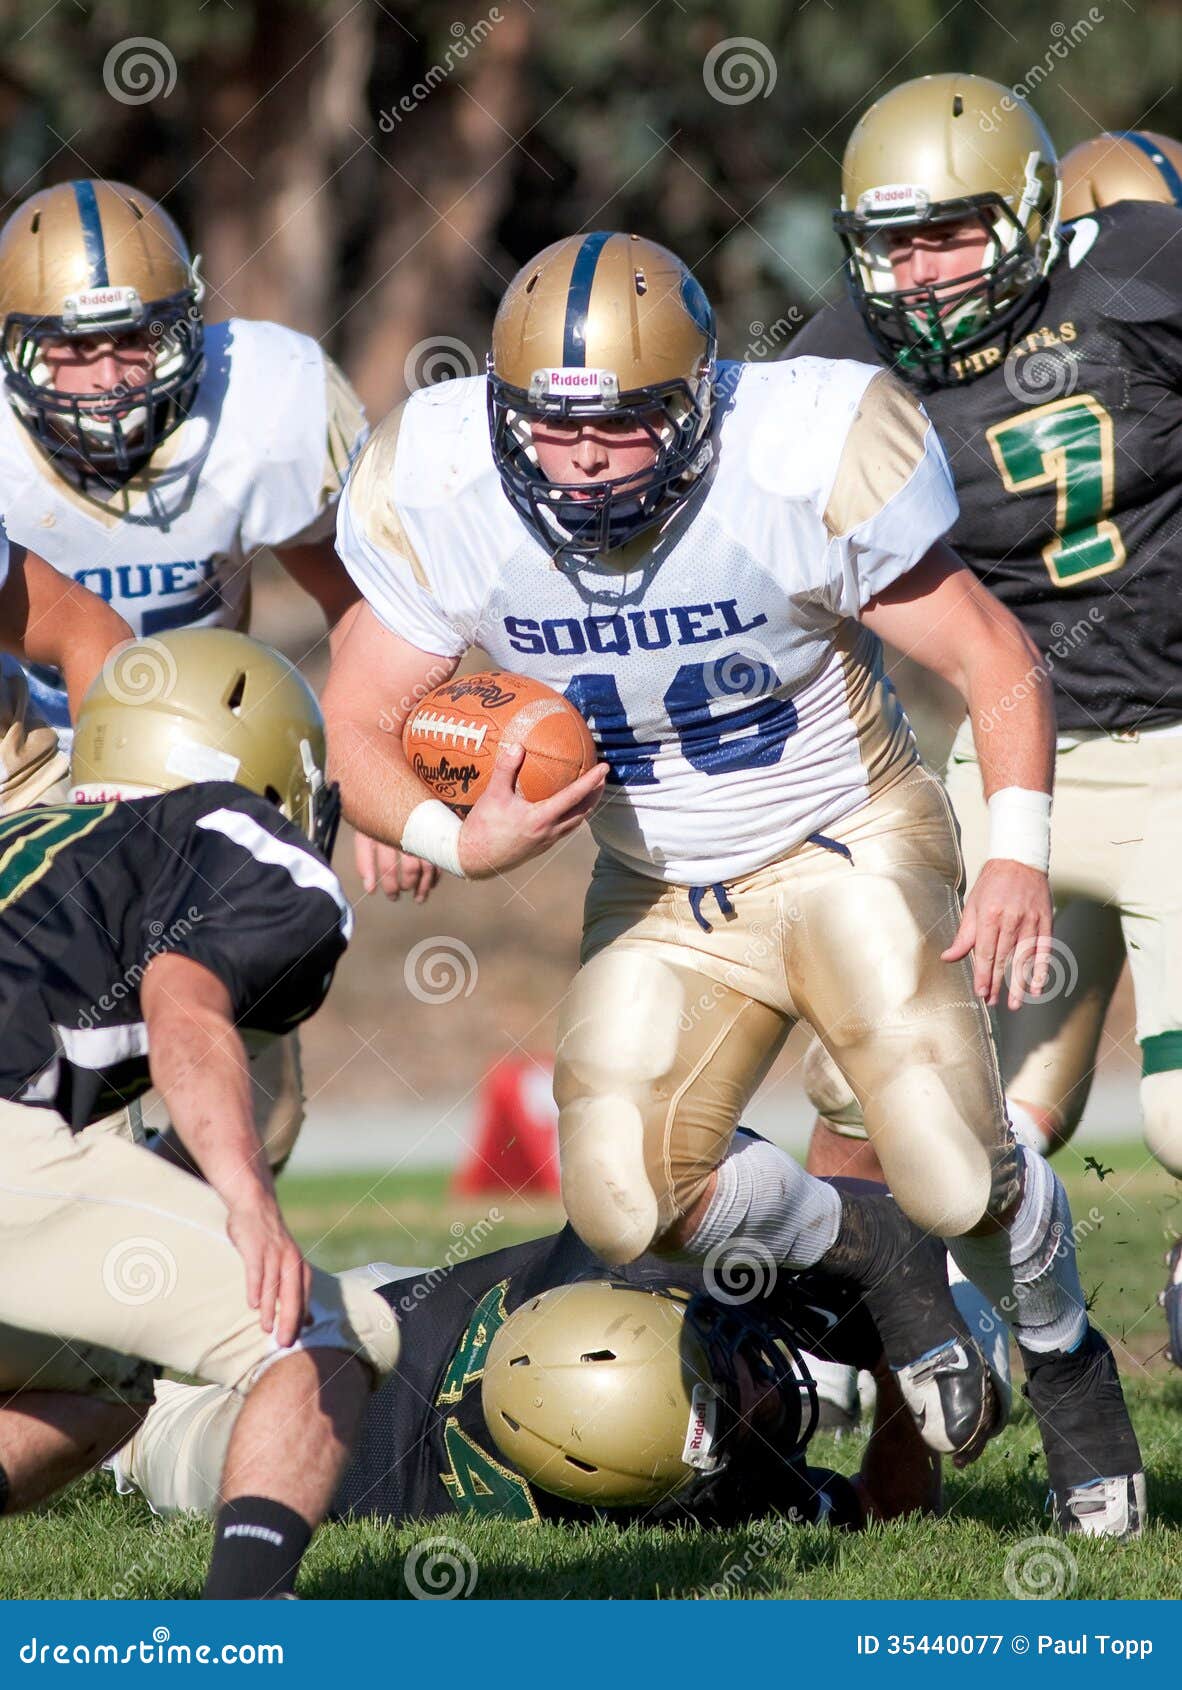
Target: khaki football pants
[(668, 1030), (107, 1253)]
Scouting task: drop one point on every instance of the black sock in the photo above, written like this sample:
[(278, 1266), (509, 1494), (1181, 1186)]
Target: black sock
[(257, 1549), (899, 1272)]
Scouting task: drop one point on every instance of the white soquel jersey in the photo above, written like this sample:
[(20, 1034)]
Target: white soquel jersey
[(259, 461), (717, 661)]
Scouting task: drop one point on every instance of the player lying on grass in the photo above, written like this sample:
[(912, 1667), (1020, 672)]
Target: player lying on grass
[(632, 1397), (705, 558), (140, 941)]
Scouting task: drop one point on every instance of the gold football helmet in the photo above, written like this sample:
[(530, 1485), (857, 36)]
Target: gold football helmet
[(602, 325), (943, 149), (1128, 164), (618, 1397), (205, 704), (93, 258)]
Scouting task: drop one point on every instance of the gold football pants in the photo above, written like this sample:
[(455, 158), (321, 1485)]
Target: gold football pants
[(668, 1029)]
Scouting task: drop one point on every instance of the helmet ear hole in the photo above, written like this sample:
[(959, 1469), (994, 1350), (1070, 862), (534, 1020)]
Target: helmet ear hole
[(237, 692), (583, 1466), (519, 1361), (598, 1355)]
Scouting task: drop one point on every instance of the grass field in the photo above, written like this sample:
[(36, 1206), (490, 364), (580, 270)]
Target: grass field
[(92, 1543)]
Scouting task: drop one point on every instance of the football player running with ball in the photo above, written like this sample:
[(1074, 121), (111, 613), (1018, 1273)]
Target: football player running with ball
[(142, 940), (1050, 360), (703, 559)]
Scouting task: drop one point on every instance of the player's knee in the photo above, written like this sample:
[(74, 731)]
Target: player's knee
[(1161, 1109), (830, 1092), (934, 1154), (617, 1046), (349, 1316)]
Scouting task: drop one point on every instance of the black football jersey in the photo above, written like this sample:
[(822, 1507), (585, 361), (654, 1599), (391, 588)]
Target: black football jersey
[(425, 1449), (1065, 441), (91, 893)]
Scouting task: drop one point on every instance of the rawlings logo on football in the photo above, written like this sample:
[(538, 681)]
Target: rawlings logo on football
[(492, 696), (447, 778)]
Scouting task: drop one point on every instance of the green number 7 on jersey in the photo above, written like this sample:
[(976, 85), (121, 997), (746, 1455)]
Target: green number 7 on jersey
[(1067, 444)]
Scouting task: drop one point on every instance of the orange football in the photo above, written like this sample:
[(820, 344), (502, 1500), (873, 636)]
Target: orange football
[(452, 734)]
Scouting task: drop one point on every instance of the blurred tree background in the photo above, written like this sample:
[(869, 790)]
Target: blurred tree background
[(373, 171)]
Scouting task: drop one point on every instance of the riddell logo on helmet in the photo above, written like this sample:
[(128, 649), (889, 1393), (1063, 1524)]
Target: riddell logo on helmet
[(890, 196), (568, 380)]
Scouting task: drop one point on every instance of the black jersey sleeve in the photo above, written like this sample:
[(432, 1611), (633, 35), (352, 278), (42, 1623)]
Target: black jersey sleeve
[(1129, 270), (245, 894)]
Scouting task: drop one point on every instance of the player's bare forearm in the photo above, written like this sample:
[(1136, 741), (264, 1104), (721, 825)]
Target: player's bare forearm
[(374, 680), (48, 618), (199, 1065)]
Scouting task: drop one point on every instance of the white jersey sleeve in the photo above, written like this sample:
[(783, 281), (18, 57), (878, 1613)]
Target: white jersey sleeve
[(313, 429), (375, 543), (892, 496)]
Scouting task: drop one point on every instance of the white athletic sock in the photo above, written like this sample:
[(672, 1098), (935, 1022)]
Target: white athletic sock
[(1029, 1272), (764, 1197)]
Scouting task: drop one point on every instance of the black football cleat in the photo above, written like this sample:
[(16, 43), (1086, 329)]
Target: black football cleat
[(902, 1277), (1093, 1458), (1171, 1300)]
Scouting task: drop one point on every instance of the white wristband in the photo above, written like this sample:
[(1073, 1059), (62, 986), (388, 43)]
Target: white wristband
[(1020, 826), (432, 831)]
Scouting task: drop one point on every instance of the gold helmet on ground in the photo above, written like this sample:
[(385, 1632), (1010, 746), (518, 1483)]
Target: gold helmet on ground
[(90, 259), (618, 1397), (939, 150), (602, 325), (1128, 164), (205, 704)]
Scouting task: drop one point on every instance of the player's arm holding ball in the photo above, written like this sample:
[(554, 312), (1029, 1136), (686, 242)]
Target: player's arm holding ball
[(398, 646), (383, 796)]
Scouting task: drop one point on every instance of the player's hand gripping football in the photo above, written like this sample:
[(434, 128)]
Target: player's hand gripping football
[(1007, 919), (386, 868), (502, 829), (278, 1279)]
